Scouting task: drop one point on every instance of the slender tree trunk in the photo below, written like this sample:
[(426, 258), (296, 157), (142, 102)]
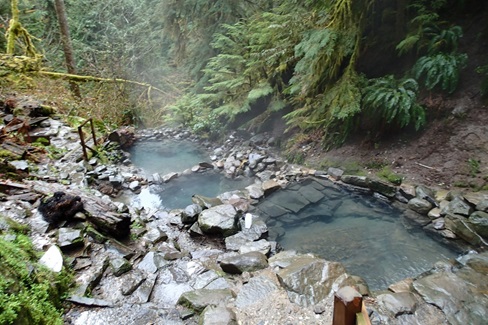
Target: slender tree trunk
[(66, 40), (13, 27)]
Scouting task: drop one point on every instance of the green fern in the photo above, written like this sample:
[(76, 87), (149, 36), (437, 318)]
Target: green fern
[(440, 70), (393, 102)]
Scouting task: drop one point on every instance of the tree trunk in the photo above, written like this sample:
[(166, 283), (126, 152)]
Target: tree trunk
[(13, 27), (67, 47)]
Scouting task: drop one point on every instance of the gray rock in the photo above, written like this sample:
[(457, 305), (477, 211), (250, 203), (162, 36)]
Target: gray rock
[(458, 206), (398, 303), (482, 206), (382, 188), (52, 259), (218, 315), (460, 301), (289, 200), (262, 246), (120, 266), (309, 279), (154, 236), (417, 218), (152, 262), (221, 219), (168, 177), (258, 230), (249, 262), (423, 192), (199, 299), (479, 223), (190, 214), (206, 202), (257, 289), (459, 225), (361, 181), (69, 238), (335, 173), (420, 205), (135, 186), (270, 186), (254, 159), (234, 242), (255, 191), (143, 292)]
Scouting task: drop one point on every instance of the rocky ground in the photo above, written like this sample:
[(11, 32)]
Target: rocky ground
[(211, 263)]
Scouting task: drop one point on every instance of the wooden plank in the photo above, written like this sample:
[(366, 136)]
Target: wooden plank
[(347, 303)]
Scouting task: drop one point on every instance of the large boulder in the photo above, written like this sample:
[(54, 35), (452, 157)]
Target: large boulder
[(309, 279), (248, 262), (221, 220), (199, 299)]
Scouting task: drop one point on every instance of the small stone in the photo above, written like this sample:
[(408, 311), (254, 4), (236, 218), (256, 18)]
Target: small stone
[(120, 266), (52, 259)]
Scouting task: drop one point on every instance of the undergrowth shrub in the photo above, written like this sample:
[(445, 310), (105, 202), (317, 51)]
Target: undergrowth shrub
[(441, 70), (390, 101), (29, 292)]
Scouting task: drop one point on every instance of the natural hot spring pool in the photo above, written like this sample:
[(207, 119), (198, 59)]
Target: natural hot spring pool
[(177, 193), (166, 156), (370, 237)]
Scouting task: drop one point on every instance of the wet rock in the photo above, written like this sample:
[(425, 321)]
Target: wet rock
[(131, 281), (434, 213), (206, 202), (417, 218), (479, 223), (262, 246), (420, 205), (120, 266), (404, 285), (258, 229), (60, 207), (455, 297), (69, 238), (52, 259), (398, 303), (361, 181), (458, 206), (190, 214), (152, 262), (289, 200), (482, 206), (423, 192), (459, 225), (335, 173), (249, 262), (143, 292), (255, 191), (221, 219), (154, 236), (382, 188), (218, 315), (199, 299), (309, 279), (257, 289), (270, 186), (135, 186)]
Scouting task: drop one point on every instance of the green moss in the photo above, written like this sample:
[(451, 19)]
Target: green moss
[(387, 174), (29, 293)]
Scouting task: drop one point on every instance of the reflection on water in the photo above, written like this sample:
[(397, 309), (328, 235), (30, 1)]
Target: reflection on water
[(371, 238), (178, 192), (166, 156)]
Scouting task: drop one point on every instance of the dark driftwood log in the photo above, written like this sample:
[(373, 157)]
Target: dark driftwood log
[(102, 215)]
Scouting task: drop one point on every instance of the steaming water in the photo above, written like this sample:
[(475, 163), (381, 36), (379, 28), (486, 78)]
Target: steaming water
[(371, 238), (178, 192), (166, 156)]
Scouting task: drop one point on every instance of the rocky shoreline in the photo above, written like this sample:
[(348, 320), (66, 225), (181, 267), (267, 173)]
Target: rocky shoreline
[(211, 263)]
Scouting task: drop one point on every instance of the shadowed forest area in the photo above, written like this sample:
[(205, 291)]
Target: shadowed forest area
[(325, 73)]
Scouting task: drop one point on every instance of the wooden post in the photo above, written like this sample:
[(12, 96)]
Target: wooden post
[(347, 303)]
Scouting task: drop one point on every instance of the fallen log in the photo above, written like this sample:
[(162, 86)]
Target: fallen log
[(103, 216)]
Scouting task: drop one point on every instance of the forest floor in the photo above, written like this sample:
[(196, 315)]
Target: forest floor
[(450, 152)]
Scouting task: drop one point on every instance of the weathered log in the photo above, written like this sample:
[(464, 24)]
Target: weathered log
[(15, 149), (100, 214)]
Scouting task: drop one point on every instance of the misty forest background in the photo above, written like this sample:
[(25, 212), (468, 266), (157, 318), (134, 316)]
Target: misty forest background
[(327, 69)]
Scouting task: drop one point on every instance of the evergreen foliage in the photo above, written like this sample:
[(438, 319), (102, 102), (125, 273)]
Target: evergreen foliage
[(393, 102), (440, 70)]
